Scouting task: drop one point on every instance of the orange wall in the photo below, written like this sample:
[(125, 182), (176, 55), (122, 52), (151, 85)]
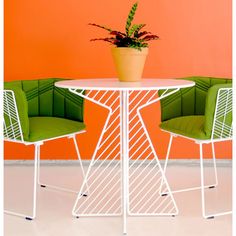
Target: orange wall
[(51, 39)]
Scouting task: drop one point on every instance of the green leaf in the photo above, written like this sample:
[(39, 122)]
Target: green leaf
[(135, 28), (131, 17), (138, 29)]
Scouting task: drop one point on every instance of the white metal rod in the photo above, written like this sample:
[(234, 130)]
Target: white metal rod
[(80, 161), (140, 164), (110, 98), (117, 145), (164, 209), (114, 130), (140, 100), (214, 162), (153, 203), (135, 133), (97, 188), (143, 179), (146, 192), (114, 203), (113, 121), (167, 158), (115, 100), (202, 180), (107, 193), (133, 154), (98, 167), (105, 93), (134, 99), (134, 162), (100, 183), (94, 155), (136, 177), (124, 137)]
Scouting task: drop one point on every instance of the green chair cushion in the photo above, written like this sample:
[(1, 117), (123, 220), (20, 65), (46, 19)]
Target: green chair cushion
[(44, 99), (189, 126), (42, 128), (22, 108), (199, 100), (189, 101), (40, 98)]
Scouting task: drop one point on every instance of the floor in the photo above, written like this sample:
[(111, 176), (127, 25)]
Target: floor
[(54, 207)]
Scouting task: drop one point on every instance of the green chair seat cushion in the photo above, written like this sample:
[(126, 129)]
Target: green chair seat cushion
[(42, 128), (189, 126)]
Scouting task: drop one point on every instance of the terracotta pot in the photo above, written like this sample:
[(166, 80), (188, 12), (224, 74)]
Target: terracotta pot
[(129, 63)]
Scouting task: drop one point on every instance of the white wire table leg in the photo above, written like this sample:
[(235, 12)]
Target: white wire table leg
[(122, 186), (33, 215), (166, 161), (146, 177), (81, 165), (104, 176), (125, 155), (204, 214)]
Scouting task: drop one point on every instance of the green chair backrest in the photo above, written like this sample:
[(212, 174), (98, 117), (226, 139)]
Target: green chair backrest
[(41, 98), (189, 101), (44, 99)]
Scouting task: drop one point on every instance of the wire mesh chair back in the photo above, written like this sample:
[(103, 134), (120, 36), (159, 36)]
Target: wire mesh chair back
[(11, 123), (222, 124)]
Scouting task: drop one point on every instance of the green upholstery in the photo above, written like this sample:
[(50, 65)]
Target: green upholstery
[(41, 99), (190, 126), (192, 106), (42, 128)]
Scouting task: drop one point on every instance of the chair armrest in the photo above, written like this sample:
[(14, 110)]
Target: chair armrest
[(210, 106), (16, 121)]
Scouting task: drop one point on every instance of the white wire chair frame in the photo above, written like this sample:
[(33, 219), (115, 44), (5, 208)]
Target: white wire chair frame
[(127, 180), (221, 131), (12, 132)]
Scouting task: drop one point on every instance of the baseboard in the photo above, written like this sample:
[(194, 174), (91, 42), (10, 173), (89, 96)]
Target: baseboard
[(186, 162)]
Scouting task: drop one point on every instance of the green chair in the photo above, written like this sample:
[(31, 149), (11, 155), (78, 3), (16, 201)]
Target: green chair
[(202, 114), (35, 111)]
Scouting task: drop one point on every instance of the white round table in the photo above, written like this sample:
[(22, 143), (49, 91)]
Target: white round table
[(116, 85), (124, 175)]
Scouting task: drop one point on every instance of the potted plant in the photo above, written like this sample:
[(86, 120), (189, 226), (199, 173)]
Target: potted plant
[(131, 47)]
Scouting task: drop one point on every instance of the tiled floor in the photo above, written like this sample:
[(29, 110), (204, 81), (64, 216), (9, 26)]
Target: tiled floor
[(54, 208)]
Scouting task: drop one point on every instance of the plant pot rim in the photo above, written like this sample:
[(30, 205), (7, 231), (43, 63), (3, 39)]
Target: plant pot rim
[(130, 50)]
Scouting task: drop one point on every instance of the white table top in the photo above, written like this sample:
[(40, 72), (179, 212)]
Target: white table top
[(115, 84)]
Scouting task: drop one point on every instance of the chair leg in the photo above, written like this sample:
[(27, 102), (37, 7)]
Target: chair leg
[(214, 163), (33, 215), (206, 216), (192, 188), (44, 185)]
